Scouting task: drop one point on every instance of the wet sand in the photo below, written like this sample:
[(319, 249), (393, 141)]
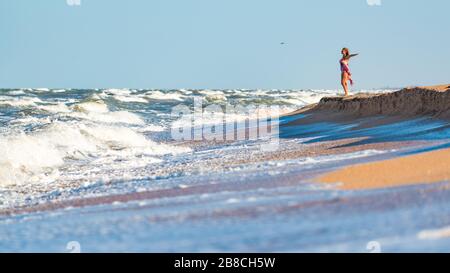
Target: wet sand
[(292, 152), (424, 168)]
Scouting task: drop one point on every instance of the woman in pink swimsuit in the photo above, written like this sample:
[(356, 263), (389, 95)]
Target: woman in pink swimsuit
[(346, 75)]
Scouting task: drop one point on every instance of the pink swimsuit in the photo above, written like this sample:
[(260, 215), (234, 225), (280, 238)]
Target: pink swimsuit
[(346, 68)]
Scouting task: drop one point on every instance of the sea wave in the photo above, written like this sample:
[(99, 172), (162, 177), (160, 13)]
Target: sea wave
[(45, 135), (158, 95), (45, 132), (35, 156)]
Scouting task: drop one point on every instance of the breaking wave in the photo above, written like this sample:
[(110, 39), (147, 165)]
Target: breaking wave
[(44, 133)]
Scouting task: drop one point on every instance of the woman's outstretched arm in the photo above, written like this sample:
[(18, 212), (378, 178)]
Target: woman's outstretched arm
[(351, 56)]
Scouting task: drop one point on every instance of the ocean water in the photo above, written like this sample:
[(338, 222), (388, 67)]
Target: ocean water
[(67, 145), (46, 134)]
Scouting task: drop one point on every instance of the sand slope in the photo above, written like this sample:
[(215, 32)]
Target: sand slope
[(431, 101)]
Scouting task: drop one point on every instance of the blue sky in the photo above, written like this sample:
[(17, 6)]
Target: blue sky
[(222, 43)]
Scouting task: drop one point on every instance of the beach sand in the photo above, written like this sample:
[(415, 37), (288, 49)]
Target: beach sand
[(440, 88), (416, 169), (413, 102)]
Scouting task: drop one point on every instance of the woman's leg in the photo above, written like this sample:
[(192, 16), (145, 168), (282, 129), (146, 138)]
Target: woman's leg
[(344, 82)]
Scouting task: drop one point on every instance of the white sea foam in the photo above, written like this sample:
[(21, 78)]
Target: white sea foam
[(109, 117), (55, 108), (111, 139), (16, 92), (210, 118), (41, 89), (19, 101), (158, 95), (26, 158), (99, 111), (37, 156), (130, 99), (97, 106), (59, 90), (118, 91), (213, 95), (152, 128), (30, 120)]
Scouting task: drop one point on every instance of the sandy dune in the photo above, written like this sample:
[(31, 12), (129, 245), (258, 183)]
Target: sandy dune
[(410, 102)]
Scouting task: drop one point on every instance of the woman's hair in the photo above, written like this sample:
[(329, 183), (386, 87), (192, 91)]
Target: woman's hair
[(347, 51)]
